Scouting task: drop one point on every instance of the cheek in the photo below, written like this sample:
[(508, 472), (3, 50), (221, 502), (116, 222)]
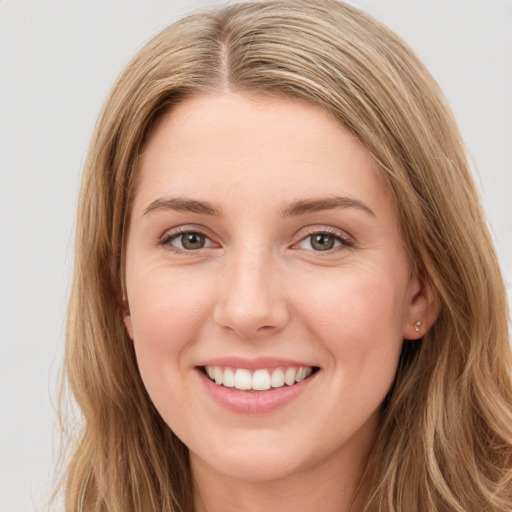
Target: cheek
[(357, 317), (168, 311)]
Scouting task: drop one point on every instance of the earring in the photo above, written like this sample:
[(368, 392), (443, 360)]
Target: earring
[(417, 326)]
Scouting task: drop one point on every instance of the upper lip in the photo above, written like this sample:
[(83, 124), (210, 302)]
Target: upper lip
[(253, 363)]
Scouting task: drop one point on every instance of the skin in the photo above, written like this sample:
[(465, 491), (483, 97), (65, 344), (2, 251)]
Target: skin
[(258, 287)]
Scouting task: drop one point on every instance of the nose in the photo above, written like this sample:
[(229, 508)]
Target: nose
[(252, 301)]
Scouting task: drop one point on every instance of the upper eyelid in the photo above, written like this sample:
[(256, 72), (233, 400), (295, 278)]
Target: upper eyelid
[(180, 230), (311, 230)]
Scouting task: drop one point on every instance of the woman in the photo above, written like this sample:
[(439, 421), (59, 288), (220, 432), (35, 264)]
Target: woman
[(285, 292)]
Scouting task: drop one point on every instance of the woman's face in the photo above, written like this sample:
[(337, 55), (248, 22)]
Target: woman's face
[(263, 249)]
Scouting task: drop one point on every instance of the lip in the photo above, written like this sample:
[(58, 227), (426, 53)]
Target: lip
[(253, 363), (253, 402)]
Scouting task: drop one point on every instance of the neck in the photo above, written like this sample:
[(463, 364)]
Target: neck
[(327, 487)]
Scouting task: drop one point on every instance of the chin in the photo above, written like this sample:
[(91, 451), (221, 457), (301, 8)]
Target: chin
[(253, 469), (252, 462)]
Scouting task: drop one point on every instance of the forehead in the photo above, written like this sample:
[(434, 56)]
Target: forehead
[(229, 145)]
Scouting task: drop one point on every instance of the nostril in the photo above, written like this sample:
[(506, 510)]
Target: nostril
[(266, 328)]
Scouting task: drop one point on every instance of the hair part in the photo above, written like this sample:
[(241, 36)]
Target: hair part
[(445, 439)]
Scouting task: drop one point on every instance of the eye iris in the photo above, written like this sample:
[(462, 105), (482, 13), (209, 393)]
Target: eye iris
[(192, 240), (322, 242)]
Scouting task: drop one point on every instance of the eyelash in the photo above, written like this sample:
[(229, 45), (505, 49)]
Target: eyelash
[(344, 241)]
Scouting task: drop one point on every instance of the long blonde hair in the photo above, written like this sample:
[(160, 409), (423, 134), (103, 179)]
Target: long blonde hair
[(445, 436)]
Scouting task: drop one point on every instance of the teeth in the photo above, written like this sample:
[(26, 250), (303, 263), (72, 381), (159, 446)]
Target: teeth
[(289, 376), (259, 380), (218, 375), (229, 378), (277, 379), (243, 379), (303, 373)]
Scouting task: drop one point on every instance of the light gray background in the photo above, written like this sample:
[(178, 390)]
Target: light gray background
[(58, 60)]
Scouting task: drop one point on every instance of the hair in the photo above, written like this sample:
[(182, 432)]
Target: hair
[(444, 441)]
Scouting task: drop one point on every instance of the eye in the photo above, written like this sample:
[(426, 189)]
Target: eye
[(187, 240), (323, 241)]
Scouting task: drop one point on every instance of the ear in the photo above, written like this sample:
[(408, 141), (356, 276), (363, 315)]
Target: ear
[(422, 308), (127, 319)]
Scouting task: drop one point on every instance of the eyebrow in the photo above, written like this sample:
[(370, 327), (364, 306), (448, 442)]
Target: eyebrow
[(304, 206), (183, 205), (296, 208)]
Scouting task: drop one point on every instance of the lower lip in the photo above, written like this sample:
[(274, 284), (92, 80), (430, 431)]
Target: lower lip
[(255, 402)]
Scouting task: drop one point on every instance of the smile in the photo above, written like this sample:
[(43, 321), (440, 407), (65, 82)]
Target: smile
[(259, 379)]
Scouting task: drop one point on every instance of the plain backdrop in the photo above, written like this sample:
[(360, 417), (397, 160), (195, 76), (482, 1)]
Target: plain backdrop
[(58, 60)]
